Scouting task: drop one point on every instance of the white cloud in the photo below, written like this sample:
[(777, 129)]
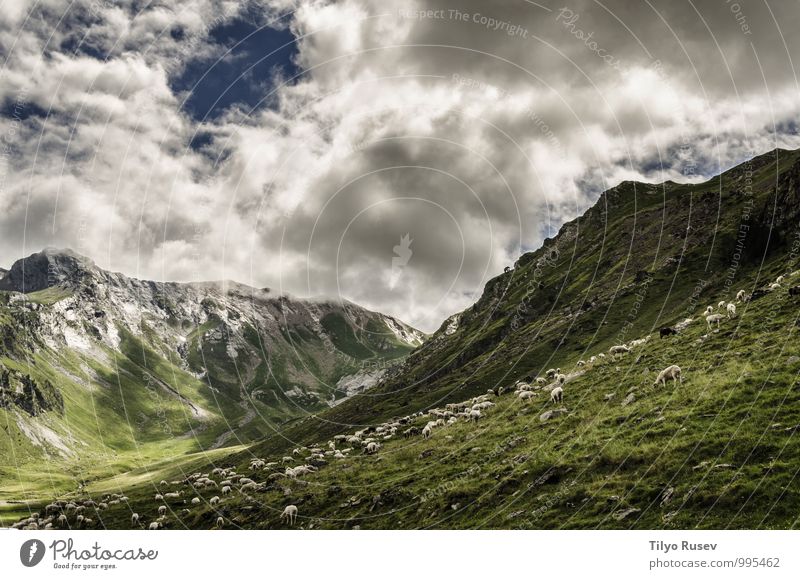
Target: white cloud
[(469, 139)]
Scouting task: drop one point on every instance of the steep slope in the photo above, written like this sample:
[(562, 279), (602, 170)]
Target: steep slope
[(643, 256), (94, 364)]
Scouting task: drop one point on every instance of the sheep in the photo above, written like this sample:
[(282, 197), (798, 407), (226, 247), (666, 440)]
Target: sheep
[(721, 304), (289, 514), (601, 355), (581, 363), (158, 497), (427, 432), (541, 381), (774, 286), (412, 431), (372, 448), (639, 342), (214, 501), (731, 310), (524, 395), (162, 510), (714, 318), (135, 519), (551, 372), (220, 522), (196, 501), (226, 490), (709, 310), (561, 378), (666, 331), (153, 526), (780, 279), (740, 295), (672, 372), (614, 350), (474, 415), (556, 395)]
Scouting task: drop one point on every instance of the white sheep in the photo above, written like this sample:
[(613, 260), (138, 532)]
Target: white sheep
[(721, 304), (214, 501), (162, 510), (153, 526), (740, 295), (714, 318), (774, 286), (525, 395), (474, 415), (731, 310), (427, 431), (561, 378), (581, 363), (709, 310), (671, 372), (135, 519), (226, 490), (614, 350), (556, 395), (372, 448), (196, 501), (541, 381), (220, 522), (779, 279), (289, 514)]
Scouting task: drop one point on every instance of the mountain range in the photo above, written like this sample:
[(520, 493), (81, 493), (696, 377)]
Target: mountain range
[(715, 450)]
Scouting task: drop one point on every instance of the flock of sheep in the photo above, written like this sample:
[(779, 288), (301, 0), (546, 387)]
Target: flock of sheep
[(179, 496)]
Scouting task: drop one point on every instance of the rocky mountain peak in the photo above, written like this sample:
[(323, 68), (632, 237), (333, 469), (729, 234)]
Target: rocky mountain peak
[(48, 268)]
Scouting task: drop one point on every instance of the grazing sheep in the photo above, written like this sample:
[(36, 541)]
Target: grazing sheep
[(557, 395), (541, 381), (731, 310), (214, 501), (372, 448), (667, 332), (714, 318), (721, 304), (551, 372), (135, 519), (780, 279), (581, 363), (671, 372), (220, 522), (154, 526), (561, 378), (474, 415), (601, 355), (289, 514), (162, 510), (614, 350), (524, 395), (412, 431), (427, 432), (709, 310), (740, 295), (196, 501), (774, 286)]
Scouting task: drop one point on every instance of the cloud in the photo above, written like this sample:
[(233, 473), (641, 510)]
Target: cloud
[(474, 129)]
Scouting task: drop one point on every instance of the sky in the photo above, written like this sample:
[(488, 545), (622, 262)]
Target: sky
[(394, 153)]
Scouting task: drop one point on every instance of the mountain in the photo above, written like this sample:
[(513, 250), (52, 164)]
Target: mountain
[(716, 450), (95, 364)]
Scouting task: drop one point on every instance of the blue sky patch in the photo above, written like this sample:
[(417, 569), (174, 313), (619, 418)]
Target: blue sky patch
[(244, 76)]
